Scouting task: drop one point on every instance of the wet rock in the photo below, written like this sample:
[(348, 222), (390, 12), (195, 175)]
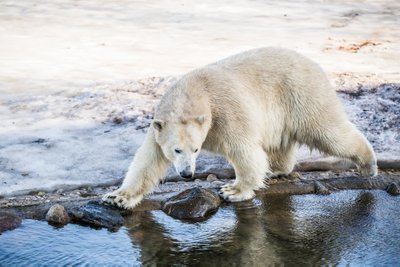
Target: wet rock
[(8, 221), (57, 215), (393, 189), (192, 204), (212, 178), (97, 215), (321, 189)]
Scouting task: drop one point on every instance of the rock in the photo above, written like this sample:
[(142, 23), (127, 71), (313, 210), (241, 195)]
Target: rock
[(41, 194), (393, 189), (212, 178), (97, 215), (321, 189), (57, 215), (9, 221), (192, 204), (207, 164)]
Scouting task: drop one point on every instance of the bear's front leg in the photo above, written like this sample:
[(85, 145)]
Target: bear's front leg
[(251, 167), (145, 172)]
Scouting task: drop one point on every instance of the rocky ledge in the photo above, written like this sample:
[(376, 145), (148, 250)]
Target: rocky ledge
[(187, 200)]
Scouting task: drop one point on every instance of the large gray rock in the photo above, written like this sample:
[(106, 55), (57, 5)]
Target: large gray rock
[(97, 215), (8, 221), (57, 215), (192, 204)]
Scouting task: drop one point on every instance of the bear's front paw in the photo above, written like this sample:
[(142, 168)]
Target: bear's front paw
[(122, 199), (233, 193), (370, 170)]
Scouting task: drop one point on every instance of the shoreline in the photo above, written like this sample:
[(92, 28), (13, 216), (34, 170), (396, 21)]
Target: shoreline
[(36, 204)]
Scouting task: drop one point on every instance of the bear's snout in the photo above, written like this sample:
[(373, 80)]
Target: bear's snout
[(186, 174)]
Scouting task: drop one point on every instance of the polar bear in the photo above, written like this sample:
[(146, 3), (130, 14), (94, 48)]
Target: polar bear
[(254, 108)]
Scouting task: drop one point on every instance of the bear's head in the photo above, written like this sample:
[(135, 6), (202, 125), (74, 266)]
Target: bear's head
[(181, 141)]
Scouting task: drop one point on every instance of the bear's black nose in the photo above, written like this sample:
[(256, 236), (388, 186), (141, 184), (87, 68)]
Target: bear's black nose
[(186, 174)]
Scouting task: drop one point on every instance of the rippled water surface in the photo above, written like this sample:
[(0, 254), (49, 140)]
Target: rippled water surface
[(348, 227)]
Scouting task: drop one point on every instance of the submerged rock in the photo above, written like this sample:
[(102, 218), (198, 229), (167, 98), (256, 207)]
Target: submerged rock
[(393, 189), (192, 204), (57, 214), (9, 221), (97, 215)]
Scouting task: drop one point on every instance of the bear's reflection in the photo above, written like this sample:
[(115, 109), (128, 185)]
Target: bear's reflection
[(305, 229)]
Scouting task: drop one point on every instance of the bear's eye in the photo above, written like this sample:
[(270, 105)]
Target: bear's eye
[(196, 150), (178, 151)]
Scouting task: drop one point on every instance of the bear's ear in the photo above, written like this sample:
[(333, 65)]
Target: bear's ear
[(201, 119), (158, 124)]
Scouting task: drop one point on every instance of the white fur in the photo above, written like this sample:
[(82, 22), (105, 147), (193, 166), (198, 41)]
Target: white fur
[(254, 108)]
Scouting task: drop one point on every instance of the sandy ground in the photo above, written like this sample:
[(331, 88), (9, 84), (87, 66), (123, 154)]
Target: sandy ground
[(75, 101), (53, 45)]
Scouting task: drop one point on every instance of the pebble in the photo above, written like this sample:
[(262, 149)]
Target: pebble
[(57, 215), (212, 178)]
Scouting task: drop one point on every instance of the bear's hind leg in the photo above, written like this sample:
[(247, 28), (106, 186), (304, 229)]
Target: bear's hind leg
[(344, 140), (282, 162), (251, 166)]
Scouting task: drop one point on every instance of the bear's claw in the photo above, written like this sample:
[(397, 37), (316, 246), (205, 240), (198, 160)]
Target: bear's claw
[(121, 199), (368, 170), (232, 193)]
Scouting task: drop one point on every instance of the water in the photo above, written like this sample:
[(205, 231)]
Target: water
[(348, 227)]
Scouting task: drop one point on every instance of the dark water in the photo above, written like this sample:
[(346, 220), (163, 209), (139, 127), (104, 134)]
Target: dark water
[(348, 227)]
